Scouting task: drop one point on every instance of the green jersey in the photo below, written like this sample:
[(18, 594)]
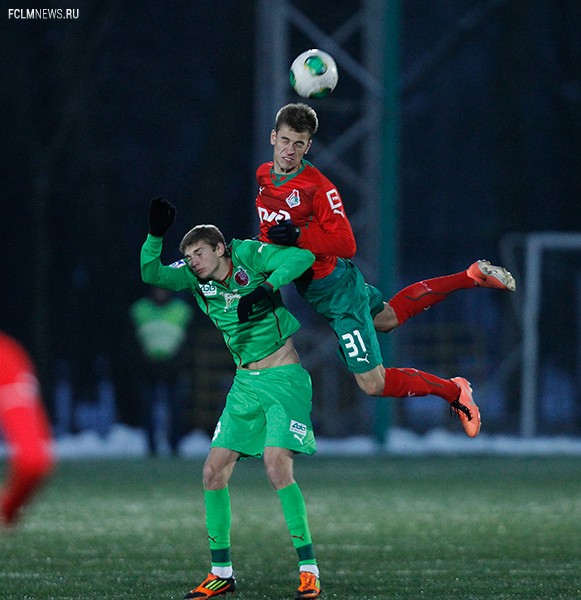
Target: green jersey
[(253, 263), (161, 328)]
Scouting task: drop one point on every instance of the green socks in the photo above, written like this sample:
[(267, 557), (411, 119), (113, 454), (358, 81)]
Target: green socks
[(218, 521), (219, 518), (295, 513)]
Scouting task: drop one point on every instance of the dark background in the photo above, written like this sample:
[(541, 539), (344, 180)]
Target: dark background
[(138, 99)]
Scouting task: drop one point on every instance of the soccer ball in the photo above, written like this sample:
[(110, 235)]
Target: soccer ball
[(313, 74)]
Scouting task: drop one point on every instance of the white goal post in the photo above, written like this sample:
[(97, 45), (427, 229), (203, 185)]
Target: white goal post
[(535, 244)]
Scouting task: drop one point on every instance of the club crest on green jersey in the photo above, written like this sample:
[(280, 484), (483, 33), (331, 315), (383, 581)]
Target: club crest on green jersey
[(241, 277)]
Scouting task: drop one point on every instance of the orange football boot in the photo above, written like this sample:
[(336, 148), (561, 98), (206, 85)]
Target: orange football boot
[(466, 408), (213, 586), (491, 276), (310, 586)]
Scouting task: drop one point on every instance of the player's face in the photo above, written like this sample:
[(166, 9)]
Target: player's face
[(205, 261), (289, 148)]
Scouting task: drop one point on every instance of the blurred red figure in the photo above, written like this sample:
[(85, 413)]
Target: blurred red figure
[(25, 429)]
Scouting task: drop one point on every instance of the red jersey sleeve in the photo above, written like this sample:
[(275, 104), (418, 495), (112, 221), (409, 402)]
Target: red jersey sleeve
[(329, 232)]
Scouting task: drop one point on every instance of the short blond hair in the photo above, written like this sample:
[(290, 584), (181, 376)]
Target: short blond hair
[(209, 234)]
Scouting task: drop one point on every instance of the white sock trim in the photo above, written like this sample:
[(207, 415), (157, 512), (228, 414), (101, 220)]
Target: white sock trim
[(223, 572), (310, 569)]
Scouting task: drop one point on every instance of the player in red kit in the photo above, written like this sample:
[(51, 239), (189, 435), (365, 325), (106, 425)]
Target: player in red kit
[(298, 205), (25, 430)]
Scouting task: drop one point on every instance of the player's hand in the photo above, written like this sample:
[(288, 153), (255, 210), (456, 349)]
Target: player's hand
[(285, 233), (246, 303), (162, 214)]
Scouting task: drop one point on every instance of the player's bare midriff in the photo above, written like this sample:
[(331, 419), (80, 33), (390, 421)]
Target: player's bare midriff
[(285, 355)]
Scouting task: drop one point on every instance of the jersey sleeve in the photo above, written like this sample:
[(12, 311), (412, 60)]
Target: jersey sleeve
[(281, 264), (330, 232), (153, 272)]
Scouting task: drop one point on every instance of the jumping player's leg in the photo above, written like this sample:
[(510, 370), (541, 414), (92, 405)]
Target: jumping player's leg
[(359, 349), (420, 296), (405, 383)]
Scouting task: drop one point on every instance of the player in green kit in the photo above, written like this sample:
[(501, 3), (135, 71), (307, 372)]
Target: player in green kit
[(267, 411)]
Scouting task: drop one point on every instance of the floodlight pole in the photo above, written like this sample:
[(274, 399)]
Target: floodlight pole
[(389, 191)]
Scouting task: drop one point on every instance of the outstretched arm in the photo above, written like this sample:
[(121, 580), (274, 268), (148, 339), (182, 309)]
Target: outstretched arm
[(281, 265), (161, 216)]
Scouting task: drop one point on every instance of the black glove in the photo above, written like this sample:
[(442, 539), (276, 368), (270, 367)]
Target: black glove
[(246, 303), (161, 216), (286, 233)]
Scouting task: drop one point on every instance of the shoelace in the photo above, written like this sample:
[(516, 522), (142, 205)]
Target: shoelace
[(458, 406)]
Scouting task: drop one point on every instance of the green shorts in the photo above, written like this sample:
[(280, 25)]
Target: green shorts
[(267, 407), (349, 305)]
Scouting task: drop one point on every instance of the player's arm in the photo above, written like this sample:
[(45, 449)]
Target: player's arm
[(330, 231), (153, 272), (283, 264), (327, 233), (280, 264)]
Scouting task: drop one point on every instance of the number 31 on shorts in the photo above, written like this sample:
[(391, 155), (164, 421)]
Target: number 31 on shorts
[(354, 343)]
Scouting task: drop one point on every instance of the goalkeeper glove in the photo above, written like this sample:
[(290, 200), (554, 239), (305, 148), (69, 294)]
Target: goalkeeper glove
[(162, 214), (285, 233), (246, 303)]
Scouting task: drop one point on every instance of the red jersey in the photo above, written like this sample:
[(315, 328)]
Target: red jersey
[(313, 204), (18, 384)]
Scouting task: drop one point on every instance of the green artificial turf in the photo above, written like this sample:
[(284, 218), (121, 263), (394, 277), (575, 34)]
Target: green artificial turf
[(383, 527)]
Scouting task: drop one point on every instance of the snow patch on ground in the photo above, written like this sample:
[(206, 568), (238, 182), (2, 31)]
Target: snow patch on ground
[(123, 441)]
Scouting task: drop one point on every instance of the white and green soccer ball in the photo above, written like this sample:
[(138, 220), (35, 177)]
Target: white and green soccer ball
[(313, 74)]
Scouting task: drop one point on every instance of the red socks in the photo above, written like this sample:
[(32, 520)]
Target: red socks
[(421, 295), (401, 383)]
